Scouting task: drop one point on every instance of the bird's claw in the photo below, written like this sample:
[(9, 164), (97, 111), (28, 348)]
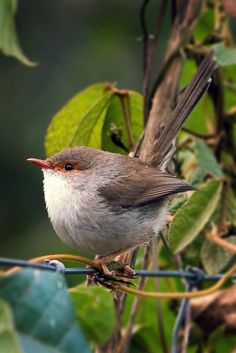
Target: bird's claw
[(114, 271)]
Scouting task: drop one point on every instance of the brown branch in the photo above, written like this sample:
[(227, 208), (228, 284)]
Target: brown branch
[(165, 95), (187, 328), (149, 49), (215, 238), (198, 135), (126, 115), (146, 59), (223, 209), (145, 33)]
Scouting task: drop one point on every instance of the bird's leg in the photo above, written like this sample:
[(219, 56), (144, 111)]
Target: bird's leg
[(127, 269), (118, 267)]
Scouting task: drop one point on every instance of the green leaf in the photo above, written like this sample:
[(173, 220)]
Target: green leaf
[(115, 121), (95, 310), (224, 56), (9, 44), (220, 340), (206, 163), (214, 258), (43, 313), (178, 202), (9, 341), (192, 217), (80, 121), (204, 26)]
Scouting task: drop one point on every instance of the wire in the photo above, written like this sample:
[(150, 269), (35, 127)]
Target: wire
[(90, 271)]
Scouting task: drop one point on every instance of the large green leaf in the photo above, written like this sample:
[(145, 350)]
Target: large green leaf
[(191, 218), (9, 341), (214, 257), (9, 44), (43, 313), (95, 310), (115, 122), (224, 55), (80, 121)]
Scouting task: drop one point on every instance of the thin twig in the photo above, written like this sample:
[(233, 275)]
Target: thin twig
[(150, 45), (128, 332), (223, 208), (145, 32), (165, 95), (215, 238), (146, 61), (126, 115), (180, 319), (187, 328), (199, 135)]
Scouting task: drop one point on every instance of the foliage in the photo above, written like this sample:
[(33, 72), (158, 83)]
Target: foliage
[(103, 116), (191, 218), (93, 304), (95, 116), (9, 44), (44, 318)]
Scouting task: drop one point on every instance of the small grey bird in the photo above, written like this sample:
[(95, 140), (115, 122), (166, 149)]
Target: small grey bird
[(105, 203)]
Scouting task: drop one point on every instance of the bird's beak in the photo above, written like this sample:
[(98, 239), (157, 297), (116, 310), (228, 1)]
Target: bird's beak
[(41, 163)]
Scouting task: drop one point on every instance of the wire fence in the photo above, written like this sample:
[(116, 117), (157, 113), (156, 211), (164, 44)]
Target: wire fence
[(193, 276)]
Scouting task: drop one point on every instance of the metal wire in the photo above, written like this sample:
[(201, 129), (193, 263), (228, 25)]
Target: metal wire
[(193, 277), (188, 275), (180, 320)]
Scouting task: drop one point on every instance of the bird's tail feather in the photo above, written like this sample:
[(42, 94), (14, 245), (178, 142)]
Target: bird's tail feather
[(186, 104)]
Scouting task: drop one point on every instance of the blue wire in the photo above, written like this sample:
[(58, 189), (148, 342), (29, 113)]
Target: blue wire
[(89, 271)]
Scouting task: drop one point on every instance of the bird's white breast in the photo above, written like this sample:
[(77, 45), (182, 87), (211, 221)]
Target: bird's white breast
[(63, 205), (83, 220)]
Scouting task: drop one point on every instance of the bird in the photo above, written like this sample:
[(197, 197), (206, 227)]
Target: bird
[(105, 203)]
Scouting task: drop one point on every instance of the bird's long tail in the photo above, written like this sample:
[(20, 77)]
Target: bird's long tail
[(185, 105)]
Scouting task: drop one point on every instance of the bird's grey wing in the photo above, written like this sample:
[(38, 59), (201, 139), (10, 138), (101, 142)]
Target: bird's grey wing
[(142, 186)]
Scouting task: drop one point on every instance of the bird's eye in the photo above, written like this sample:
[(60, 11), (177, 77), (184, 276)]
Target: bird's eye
[(69, 166)]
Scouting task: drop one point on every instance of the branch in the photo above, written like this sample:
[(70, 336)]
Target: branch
[(187, 15), (215, 238)]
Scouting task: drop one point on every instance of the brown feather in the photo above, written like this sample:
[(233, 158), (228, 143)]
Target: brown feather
[(141, 186)]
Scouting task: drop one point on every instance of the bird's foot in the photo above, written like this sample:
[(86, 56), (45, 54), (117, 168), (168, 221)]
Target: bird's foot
[(117, 267), (112, 271)]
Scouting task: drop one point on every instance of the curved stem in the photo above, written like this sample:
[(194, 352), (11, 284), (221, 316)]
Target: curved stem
[(177, 295), (65, 257)]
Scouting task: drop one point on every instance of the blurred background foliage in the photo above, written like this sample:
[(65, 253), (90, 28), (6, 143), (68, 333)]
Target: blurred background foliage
[(75, 43)]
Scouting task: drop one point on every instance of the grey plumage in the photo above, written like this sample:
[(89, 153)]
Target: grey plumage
[(109, 202)]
